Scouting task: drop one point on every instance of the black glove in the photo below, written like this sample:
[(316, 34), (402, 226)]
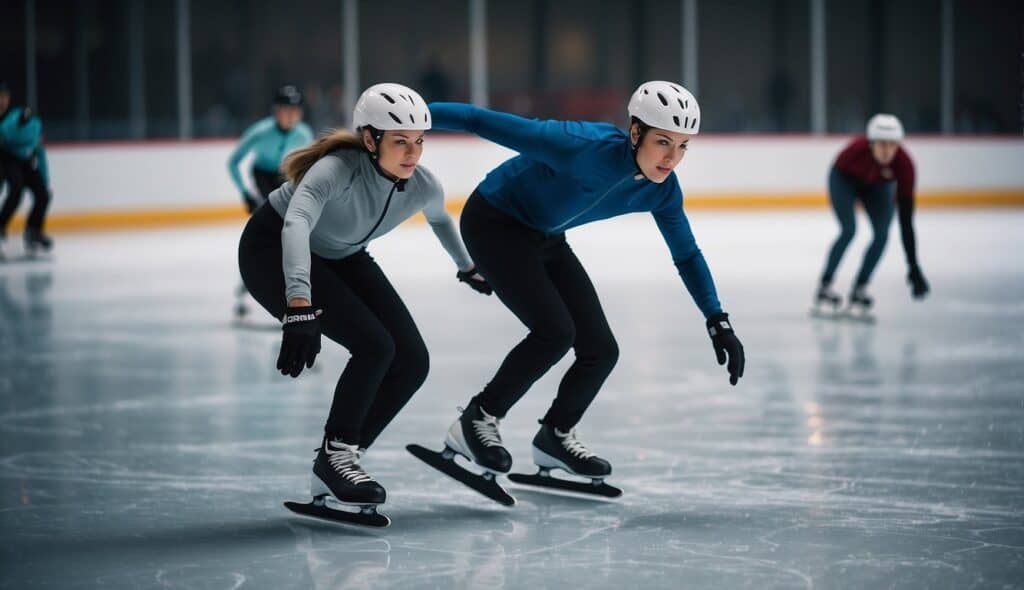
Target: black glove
[(251, 203), (26, 114), (475, 281), (918, 285), (300, 342), (724, 340)]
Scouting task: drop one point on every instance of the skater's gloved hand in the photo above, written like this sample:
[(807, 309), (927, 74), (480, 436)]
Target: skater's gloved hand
[(724, 341), (300, 342), (26, 114), (918, 285), (475, 281), (251, 202)]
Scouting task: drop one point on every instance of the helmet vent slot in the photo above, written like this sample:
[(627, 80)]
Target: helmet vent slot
[(662, 98), (387, 98), (675, 119), (394, 118)]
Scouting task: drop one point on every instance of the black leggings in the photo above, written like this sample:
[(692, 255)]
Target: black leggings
[(361, 311), (267, 181), (539, 279), (20, 174)]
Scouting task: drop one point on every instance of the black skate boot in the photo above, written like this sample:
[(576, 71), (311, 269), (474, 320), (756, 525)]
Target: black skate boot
[(36, 242), (241, 309), (555, 449), (826, 301), (336, 471), (474, 435), (338, 476), (859, 305)]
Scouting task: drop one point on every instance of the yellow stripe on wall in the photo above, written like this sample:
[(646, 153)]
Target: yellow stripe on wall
[(154, 218)]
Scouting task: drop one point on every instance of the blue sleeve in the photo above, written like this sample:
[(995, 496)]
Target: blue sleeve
[(20, 136), (551, 142), (306, 132), (245, 145), (7, 125), (693, 269)]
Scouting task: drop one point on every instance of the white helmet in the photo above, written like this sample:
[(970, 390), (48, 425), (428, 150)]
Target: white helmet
[(389, 106), (885, 127), (666, 106)]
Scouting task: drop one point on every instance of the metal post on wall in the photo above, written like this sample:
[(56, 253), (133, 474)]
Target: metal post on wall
[(350, 55), (83, 13), (31, 82), (136, 71), (478, 93), (184, 72), (818, 68), (946, 91), (689, 28)]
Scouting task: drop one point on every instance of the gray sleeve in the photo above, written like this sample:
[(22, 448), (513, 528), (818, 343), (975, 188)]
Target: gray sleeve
[(445, 230), (324, 181)]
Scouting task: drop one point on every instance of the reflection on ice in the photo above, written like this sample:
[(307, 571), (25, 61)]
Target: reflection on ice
[(147, 442)]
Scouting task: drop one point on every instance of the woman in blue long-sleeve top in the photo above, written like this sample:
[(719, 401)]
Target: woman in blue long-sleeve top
[(569, 173), (269, 140), (23, 161)]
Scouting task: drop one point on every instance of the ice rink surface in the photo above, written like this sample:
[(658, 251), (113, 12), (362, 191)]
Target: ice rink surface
[(145, 442)]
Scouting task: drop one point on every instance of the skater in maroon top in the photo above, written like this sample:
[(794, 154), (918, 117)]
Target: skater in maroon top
[(878, 171)]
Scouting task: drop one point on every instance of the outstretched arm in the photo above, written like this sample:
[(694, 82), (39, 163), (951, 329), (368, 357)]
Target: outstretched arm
[(905, 180), (551, 142), (444, 228), (321, 183), (245, 145), (448, 235), (689, 260), (906, 213), (697, 277)]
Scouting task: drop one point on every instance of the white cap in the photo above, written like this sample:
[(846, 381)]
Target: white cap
[(389, 106), (885, 127), (666, 105)]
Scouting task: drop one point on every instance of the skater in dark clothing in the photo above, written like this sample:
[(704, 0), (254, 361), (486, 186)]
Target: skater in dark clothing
[(567, 174), (303, 257), (23, 161), (269, 140), (877, 171)]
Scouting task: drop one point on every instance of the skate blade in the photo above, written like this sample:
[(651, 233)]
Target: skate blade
[(25, 259), (485, 484), (823, 314), (567, 487), (324, 513), (861, 317)]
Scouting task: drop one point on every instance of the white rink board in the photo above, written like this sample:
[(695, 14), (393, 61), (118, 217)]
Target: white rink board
[(170, 175)]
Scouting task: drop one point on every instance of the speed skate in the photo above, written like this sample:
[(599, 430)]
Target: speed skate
[(543, 479), (325, 506), (558, 449), (485, 483)]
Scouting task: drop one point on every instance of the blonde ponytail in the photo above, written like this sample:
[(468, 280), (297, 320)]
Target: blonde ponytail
[(300, 161)]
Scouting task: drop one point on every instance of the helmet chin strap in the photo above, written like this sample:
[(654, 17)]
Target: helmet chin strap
[(641, 132), (377, 135)]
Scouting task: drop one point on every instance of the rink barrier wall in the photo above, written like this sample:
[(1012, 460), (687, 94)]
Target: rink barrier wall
[(157, 218), (130, 185)]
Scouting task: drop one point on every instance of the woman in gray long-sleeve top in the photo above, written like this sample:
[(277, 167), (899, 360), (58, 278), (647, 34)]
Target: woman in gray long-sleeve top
[(303, 257)]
